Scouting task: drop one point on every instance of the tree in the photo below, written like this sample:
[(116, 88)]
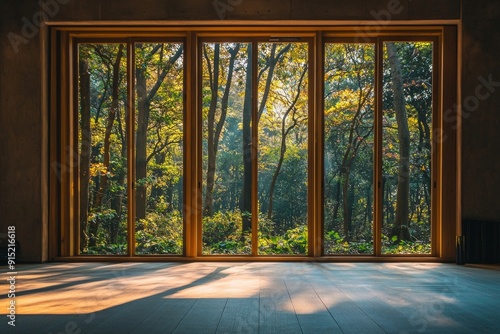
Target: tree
[(113, 110), (283, 140), (246, 191), (349, 126), (270, 67), (401, 229), (144, 99), (215, 127), (285, 131)]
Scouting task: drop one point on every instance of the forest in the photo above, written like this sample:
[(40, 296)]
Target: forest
[(244, 134)]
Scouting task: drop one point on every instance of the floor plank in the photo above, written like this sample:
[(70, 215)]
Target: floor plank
[(312, 314), (254, 297), (348, 315), (167, 317), (276, 310), (241, 315), (203, 317)]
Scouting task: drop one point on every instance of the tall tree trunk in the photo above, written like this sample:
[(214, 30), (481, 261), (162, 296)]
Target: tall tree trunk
[(215, 129), (336, 188), (156, 190), (109, 124), (246, 191), (346, 174), (180, 196), (214, 86), (143, 106), (116, 203), (274, 59), (277, 171), (425, 143), (368, 209), (401, 229), (347, 159), (144, 99), (336, 205), (85, 151), (107, 141), (284, 134)]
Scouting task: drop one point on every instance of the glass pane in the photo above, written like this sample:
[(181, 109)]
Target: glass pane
[(102, 148), (407, 148), (283, 141), (226, 141), (348, 148), (159, 148)]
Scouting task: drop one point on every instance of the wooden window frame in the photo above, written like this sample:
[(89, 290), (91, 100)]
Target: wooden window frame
[(254, 40), (63, 175)]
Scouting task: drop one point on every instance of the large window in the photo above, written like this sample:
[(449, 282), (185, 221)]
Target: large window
[(349, 128), (103, 148), (205, 144), (107, 122), (276, 125), (403, 165), (227, 139), (159, 147), (407, 147)]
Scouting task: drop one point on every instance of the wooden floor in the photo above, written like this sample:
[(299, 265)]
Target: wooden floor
[(253, 298)]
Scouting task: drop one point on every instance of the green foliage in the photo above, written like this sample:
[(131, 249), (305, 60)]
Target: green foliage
[(336, 244), (161, 229), (283, 149), (110, 228), (160, 234), (222, 234), (292, 242), (109, 249), (391, 245), (406, 248)]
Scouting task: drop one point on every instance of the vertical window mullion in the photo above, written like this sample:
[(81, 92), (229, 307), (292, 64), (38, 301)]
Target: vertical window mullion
[(255, 142), (190, 167), (71, 155), (131, 148), (377, 177), (319, 135), (313, 172), (436, 147), (199, 154)]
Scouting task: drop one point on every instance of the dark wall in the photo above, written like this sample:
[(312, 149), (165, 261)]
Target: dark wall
[(255, 9), (21, 130), (23, 133), (481, 121)]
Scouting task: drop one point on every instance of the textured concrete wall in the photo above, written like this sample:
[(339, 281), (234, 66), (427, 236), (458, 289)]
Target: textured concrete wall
[(255, 9), (21, 130), (22, 201), (481, 121)]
